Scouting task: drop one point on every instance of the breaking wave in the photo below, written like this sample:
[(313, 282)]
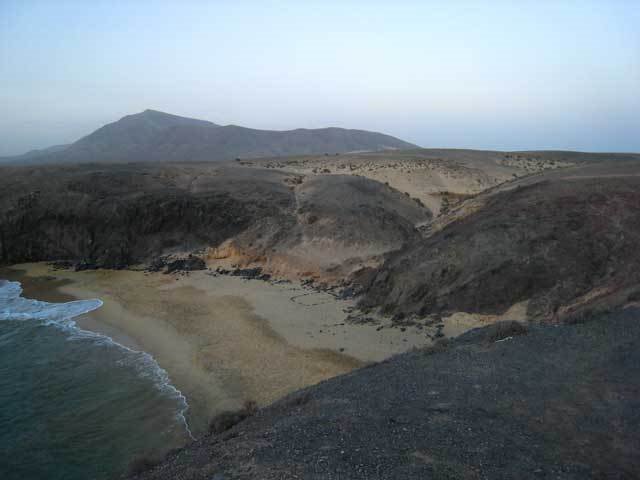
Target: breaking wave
[(14, 307)]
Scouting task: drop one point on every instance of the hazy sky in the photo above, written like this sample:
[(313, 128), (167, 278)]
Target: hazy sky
[(505, 75)]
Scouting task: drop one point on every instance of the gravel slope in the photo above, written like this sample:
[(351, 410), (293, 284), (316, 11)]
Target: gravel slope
[(556, 402)]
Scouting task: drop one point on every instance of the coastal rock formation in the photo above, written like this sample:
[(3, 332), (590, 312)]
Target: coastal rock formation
[(181, 264)]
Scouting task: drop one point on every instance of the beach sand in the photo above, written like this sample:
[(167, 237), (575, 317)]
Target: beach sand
[(224, 340)]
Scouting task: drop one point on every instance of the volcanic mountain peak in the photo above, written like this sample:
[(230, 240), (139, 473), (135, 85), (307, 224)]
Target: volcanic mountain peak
[(163, 119), (152, 135)]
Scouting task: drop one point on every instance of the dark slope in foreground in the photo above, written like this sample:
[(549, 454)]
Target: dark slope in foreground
[(563, 240), (558, 402), (161, 137)]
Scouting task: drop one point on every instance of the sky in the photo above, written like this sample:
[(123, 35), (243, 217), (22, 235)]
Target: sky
[(461, 74)]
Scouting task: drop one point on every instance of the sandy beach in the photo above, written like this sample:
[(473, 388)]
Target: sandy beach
[(224, 340)]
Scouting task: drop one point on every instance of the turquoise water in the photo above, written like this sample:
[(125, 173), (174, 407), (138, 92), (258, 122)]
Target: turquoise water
[(73, 404)]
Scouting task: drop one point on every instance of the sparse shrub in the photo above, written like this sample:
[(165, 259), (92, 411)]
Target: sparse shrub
[(250, 407), (226, 420), (299, 400)]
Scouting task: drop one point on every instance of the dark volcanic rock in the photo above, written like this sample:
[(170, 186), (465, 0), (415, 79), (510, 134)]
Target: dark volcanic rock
[(248, 273), (157, 264), (188, 264), (84, 265), (62, 264), (559, 402)]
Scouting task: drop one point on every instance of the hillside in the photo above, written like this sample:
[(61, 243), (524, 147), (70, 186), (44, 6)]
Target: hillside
[(438, 178), (562, 242), (161, 137), (119, 215), (556, 402), (553, 242)]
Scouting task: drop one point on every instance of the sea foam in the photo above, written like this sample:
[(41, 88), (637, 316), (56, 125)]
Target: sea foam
[(14, 307)]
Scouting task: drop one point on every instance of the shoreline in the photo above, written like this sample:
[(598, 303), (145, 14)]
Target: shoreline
[(222, 340), (225, 340)]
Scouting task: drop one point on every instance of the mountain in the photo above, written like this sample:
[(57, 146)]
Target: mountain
[(32, 155), (159, 136)]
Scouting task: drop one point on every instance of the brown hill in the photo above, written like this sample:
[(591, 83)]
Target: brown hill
[(562, 241), (118, 215)]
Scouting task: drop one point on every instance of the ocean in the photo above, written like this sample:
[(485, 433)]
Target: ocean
[(74, 404)]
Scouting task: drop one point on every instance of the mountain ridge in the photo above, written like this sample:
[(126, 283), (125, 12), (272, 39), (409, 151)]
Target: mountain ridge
[(152, 135)]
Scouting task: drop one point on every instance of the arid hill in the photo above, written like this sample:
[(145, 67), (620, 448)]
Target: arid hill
[(119, 215), (438, 178), (560, 240), (564, 242)]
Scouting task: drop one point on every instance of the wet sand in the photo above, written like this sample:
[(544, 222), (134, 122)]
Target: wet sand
[(224, 340)]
